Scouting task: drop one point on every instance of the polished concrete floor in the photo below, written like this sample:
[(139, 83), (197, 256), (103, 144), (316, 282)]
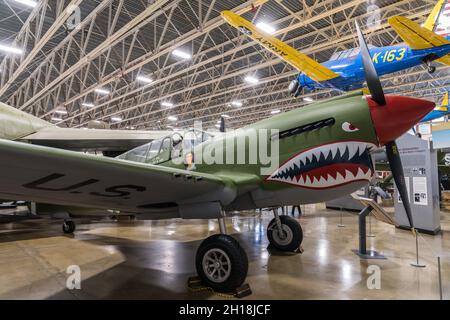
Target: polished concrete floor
[(153, 259)]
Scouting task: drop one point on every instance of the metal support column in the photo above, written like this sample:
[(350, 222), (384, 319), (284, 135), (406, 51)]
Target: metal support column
[(362, 251)]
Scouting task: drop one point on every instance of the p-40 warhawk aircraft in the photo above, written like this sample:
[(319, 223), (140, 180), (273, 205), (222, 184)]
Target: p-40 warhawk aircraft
[(324, 153), (344, 71)]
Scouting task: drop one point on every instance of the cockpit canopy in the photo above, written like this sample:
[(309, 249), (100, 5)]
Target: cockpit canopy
[(347, 53), (167, 148)]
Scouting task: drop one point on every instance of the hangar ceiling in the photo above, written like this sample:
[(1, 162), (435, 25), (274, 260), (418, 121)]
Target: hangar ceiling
[(118, 41)]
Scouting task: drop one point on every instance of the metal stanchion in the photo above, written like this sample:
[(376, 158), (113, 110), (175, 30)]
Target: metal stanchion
[(341, 225), (417, 264), (440, 277), (370, 235)]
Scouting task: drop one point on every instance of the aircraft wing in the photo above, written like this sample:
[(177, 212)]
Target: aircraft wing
[(300, 61), (92, 139), (18, 125), (55, 176), (414, 35)]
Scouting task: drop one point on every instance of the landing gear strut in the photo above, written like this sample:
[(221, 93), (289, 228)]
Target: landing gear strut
[(221, 262), (284, 233), (68, 226)]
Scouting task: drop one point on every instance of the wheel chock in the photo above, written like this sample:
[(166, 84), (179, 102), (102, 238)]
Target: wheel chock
[(195, 284)]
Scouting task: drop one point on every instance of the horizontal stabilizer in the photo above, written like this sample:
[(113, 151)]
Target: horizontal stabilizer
[(414, 35)]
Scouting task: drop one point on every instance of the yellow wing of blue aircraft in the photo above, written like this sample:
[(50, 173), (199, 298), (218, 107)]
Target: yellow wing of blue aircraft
[(344, 71)]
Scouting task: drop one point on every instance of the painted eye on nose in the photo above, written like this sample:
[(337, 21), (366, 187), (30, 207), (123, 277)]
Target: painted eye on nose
[(348, 127)]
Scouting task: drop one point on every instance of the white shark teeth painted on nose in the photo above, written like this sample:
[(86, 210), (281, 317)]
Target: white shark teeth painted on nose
[(327, 166)]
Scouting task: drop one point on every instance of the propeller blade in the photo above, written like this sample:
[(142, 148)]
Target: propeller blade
[(399, 177), (373, 82), (222, 124)]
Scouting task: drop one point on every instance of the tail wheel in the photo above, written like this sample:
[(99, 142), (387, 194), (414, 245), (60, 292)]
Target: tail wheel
[(68, 226), (293, 87), (431, 69), (221, 263), (289, 238)]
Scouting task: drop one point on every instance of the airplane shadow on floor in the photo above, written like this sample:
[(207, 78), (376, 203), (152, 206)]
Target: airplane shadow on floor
[(157, 269), (153, 269), (160, 268)]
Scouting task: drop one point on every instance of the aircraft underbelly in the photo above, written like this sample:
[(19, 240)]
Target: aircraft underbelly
[(295, 196)]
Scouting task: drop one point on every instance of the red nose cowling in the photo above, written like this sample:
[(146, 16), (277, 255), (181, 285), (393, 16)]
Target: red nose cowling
[(398, 116)]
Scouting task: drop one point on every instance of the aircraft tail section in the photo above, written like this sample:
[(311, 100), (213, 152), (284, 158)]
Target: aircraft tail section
[(439, 19), (418, 37), (444, 104), (15, 124), (414, 35)]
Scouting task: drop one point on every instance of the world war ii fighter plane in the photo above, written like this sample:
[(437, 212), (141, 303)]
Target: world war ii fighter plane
[(344, 71), (323, 150)]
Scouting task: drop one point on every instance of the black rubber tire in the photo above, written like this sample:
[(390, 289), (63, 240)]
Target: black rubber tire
[(431, 69), (297, 234), (238, 259), (68, 227)]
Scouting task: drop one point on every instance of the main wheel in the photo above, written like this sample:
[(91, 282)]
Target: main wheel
[(291, 236), (221, 263), (68, 226)]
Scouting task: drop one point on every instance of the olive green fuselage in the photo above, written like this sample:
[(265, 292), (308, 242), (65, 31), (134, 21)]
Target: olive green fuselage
[(321, 129)]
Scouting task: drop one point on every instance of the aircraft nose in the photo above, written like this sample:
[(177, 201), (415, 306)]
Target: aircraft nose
[(398, 115)]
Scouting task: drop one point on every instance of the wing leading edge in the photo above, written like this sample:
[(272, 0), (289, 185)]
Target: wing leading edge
[(300, 61)]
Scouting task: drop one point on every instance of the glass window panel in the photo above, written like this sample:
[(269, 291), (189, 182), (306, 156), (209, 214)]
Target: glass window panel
[(154, 149)]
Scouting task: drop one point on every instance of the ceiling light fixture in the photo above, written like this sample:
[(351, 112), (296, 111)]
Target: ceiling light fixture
[(181, 54), (29, 3), (116, 119), (236, 103), (10, 49), (101, 91), (144, 79), (172, 118), (89, 105), (251, 79), (275, 111), (167, 104), (265, 27), (308, 99)]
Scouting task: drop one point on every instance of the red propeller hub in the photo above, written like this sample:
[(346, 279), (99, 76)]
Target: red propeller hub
[(398, 115)]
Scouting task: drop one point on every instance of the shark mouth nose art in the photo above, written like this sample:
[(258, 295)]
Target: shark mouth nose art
[(327, 166)]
